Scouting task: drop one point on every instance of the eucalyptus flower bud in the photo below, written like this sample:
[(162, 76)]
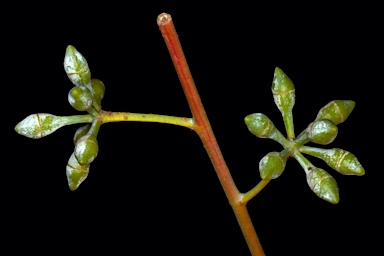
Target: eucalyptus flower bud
[(36, 126), (98, 89), (86, 149), (338, 159), (323, 185), (283, 91), (80, 132), (80, 98), (322, 131), (259, 125), (337, 111), (76, 67), (272, 165), (76, 173), (284, 96)]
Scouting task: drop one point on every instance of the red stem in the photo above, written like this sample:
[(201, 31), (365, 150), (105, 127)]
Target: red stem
[(204, 130)]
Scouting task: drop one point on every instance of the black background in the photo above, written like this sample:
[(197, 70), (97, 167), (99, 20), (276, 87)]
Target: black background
[(152, 187)]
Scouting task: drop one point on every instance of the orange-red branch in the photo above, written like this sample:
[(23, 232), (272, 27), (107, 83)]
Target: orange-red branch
[(204, 130)]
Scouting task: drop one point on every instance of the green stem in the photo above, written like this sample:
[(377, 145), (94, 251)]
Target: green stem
[(288, 121), (77, 119), (253, 192), (94, 130), (304, 162), (107, 117), (278, 137), (204, 130)]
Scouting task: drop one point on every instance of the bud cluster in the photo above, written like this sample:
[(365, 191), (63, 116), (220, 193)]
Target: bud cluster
[(86, 95), (321, 131)]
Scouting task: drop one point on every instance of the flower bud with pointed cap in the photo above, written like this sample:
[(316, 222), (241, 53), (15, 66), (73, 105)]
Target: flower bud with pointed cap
[(283, 91), (338, 159), (80, 132), (284, 96), (38, 125), (272, 165), (322, 131), (80, 98), (337, 111), (76, 173), (76, 67), (323, 185), (86, 149), (259, 125)]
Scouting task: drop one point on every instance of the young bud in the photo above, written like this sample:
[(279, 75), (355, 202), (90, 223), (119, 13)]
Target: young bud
[(259, 124), (86, 149), (76, 67), (284, 96), (322, 131), (80, 98), (98, 89), (36, 126), (272, 165), (76, 173), (283, 91), (323, 185), (338, 159), (80, 132), (337, 111)]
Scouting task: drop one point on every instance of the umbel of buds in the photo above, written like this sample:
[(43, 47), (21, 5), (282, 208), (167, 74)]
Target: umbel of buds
[(86, 95), (321, 131)]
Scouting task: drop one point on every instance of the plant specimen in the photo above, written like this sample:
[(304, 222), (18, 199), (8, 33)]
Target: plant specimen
[(87, 95)]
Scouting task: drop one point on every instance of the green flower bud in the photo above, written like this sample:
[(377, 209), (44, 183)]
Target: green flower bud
[(98, 89), (80, 98), (36, 126), (86, 149), (284, 96), (272, 165), (283, 91), (80, 132), (76, 67), (260, 125), (76, 173), (323, 185), (338, 159), (322, 131), (337, 111)]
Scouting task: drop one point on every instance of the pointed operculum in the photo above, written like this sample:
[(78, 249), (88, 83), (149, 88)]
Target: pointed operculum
[(76, 67), (323, 185), (281, 82), (76, 173), (36, 126)]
